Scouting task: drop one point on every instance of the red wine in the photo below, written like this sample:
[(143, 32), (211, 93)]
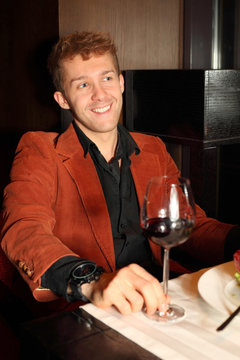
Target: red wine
[(169, 233)]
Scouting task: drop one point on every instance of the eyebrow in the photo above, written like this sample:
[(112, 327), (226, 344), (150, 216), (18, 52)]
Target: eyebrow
[(83, 77)]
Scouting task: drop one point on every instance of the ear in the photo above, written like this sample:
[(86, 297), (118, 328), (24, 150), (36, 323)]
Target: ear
[(61, 100), (121, 79)]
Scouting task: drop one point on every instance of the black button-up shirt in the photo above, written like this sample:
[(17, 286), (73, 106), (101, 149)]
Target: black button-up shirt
[(119, 190)]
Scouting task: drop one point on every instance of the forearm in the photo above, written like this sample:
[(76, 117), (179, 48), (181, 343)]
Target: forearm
[(211, 243)]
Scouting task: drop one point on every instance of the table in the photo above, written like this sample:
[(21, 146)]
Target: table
[(77, 335), (193, 338), (93, 333)]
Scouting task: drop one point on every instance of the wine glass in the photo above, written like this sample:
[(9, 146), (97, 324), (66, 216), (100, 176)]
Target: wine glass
[(167, 218)]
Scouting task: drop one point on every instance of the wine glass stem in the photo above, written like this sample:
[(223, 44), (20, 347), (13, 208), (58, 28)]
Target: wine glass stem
[(165, 270)]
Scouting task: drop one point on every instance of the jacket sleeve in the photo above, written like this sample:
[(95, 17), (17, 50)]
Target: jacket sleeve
[(28, 213), (206, 245)]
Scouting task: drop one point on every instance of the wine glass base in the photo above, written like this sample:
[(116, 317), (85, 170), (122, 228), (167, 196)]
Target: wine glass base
[(173, 315)]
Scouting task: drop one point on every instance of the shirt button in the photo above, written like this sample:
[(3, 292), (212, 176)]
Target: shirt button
[(123, 226)]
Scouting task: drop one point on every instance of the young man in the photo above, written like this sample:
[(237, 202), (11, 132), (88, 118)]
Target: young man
[(71, 210)]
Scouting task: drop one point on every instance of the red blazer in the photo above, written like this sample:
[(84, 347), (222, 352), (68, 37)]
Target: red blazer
[(55, 206)]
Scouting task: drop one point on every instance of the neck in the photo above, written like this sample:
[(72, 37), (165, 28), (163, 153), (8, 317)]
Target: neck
[(106, 141)]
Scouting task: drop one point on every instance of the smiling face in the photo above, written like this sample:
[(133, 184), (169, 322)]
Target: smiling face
[(93, 91)]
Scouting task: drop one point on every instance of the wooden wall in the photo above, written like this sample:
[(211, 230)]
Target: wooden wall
[(148, 33)]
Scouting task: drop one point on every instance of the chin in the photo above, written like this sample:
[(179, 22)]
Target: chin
[(106, 127)]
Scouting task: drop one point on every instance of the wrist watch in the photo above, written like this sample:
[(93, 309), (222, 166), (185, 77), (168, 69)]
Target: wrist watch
[(84, 272)]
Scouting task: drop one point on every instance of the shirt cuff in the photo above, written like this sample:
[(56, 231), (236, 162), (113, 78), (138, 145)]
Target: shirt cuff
[(57, 276)]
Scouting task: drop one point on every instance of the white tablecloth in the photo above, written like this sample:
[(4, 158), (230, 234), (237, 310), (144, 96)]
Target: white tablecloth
[(194, 338)]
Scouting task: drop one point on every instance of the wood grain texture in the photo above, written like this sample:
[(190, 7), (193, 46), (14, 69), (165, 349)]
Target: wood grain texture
[(148, 33)]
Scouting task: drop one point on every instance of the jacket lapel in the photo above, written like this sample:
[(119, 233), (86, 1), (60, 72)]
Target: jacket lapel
[(84, 174), (144, 166)]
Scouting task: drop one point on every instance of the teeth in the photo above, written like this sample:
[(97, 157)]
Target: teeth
[(102, 110)]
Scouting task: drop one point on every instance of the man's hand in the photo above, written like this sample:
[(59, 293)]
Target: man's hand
[(129, 290)]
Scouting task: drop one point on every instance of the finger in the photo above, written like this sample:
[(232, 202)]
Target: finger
[(151, 290), (111, 291), (117, 299), (123, 306), (123, 294), (153, 297), (135, 299)]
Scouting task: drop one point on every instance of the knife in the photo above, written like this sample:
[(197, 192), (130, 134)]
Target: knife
[(227, 321)]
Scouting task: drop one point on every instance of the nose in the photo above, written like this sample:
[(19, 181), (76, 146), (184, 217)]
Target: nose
[(98, 92)]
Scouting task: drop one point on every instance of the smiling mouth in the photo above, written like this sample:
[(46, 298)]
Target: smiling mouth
[(102, 109)]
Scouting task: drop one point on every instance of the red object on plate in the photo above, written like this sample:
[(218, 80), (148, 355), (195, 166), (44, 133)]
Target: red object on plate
[(236, 258)]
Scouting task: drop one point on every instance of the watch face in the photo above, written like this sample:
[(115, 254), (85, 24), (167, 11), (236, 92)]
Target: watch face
[(84, 270)]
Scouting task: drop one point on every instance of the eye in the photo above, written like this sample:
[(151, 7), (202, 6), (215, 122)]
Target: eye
[(107, 78), (81, 86)]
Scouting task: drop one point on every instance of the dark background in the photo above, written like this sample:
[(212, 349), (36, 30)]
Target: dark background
[(27, 31)]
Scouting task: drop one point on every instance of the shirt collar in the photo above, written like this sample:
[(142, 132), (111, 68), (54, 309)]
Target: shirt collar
[(126, 144)]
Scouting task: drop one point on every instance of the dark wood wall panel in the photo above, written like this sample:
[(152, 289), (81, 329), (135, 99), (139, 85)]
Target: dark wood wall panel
[(148, 33)]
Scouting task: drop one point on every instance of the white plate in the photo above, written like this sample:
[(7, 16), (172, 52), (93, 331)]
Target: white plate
[(232, 291), (213, 285)]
